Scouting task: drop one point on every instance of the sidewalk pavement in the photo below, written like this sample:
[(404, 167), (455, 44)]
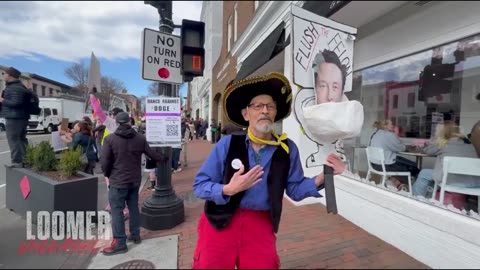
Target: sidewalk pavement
[(308, 237)]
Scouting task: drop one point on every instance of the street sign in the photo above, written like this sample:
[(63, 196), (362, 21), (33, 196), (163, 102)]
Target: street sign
[(161, 57), (163, 118)]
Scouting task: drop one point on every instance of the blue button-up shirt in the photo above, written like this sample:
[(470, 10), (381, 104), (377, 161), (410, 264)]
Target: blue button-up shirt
[(208, 182)]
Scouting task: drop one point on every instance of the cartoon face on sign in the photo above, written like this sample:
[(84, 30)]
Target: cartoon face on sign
[(323, 53)]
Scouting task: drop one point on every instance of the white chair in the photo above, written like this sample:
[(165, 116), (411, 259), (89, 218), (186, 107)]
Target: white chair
[(376, 155), (462, 166)]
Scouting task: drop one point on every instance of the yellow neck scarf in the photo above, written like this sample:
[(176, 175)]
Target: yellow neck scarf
[(278, 142)]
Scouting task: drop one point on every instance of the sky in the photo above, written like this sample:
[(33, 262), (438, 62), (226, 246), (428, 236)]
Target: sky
[(45, 38)]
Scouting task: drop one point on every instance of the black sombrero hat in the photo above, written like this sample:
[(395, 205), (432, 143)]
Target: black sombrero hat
[(239, 94)]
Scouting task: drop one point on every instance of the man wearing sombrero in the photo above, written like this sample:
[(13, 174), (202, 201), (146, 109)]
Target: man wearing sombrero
[(245, 176)]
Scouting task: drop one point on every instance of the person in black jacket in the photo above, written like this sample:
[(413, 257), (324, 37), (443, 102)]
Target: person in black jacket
[(14, 101), (121, 164)]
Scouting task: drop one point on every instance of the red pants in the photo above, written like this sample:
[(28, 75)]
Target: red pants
[(248, 242)]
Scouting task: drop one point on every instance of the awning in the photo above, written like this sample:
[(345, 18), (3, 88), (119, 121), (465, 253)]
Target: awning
[(324, 8), (270, 47), (275, 42)]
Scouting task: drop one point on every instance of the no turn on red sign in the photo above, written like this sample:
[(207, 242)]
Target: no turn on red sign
[(161, 57)]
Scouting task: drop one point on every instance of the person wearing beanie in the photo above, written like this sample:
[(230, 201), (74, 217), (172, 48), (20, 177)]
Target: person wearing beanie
[(14, 101), (121, 164)]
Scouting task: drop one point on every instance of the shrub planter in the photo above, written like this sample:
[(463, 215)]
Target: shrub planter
[(46, 194)]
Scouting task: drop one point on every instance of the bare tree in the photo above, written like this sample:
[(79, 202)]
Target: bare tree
[(112, 85), (78, 73), (153, 89)]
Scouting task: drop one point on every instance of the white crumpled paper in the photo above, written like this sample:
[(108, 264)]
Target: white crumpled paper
[(328, 122)]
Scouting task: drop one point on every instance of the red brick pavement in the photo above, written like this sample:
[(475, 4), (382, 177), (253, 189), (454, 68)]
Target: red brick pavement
[(308, 236)]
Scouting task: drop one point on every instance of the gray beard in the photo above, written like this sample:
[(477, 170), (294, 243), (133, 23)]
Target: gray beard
[(264, 128)]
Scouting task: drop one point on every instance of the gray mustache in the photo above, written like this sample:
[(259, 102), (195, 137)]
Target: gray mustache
[(265, 118)]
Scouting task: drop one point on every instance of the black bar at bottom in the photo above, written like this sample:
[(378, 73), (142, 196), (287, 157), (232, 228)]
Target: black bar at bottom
[(330, 190)]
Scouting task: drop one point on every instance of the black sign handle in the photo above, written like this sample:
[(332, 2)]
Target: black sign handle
[(330, 190)]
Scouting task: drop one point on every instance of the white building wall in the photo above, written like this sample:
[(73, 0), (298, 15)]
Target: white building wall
[(195, 102), (212, 16), (437, 237), (433, 24), (215, 27), (39, 84)]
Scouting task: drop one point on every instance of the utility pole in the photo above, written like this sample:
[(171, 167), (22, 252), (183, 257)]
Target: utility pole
[(163, 210)]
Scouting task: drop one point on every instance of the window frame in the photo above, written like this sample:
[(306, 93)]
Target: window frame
[(409, 99), (229, 33), (395, 101), (235, 22), (45, 110)]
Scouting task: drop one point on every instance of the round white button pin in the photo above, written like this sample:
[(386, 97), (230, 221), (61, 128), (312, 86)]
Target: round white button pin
[(236, 163)]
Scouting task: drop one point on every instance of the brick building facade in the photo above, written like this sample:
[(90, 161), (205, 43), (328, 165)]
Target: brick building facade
[(236, 17)]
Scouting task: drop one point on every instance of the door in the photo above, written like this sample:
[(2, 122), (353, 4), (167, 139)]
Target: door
[(56, 119)]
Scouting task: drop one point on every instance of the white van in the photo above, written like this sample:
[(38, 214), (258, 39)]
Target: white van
[(53, 109)]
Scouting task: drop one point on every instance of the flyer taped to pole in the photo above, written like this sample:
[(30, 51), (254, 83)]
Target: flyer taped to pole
[(322, 72)]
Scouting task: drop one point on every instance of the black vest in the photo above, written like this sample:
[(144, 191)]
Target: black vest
[(221, 215)]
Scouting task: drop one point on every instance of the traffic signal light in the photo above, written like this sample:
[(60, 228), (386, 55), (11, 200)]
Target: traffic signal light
[(193, 51)]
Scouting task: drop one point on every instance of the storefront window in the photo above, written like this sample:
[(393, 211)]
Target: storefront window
[(430, 101)]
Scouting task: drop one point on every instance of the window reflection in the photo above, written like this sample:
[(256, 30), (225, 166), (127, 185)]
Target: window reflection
[(421, 96)]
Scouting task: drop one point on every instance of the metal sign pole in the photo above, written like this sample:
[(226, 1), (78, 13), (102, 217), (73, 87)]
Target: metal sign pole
[(163, 210)]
